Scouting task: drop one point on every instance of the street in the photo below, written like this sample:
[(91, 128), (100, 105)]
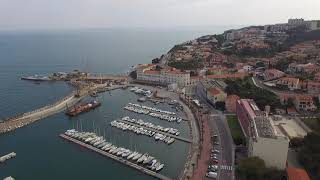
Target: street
[(218, 126)]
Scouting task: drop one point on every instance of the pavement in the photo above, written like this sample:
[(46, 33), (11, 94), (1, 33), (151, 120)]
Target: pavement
[(218, 125)]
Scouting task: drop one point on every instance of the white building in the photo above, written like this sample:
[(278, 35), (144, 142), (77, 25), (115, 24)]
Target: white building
[(264, 141), (296, 21), (313, 25), (247, 68), (148, 72)]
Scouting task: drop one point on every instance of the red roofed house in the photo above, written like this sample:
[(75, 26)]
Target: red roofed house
[(216, 95), (291, 83), (304, 103), (271, 74), (297, 174), (231, 102), (310, 86)]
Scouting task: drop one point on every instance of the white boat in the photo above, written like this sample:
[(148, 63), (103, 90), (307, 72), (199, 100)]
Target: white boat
[(159, 167), (136, 156), (142, 158), (132, 155)]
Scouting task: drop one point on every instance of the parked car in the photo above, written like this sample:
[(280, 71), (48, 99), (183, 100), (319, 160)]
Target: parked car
[(212, 175)]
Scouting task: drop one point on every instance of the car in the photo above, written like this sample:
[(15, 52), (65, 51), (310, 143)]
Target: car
[(215, 161), (213, 166), (216, 143), (212, 175), (214, 155), (212, 169), (215, 151)]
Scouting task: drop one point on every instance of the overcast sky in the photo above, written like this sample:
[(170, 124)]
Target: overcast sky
[(66, 14)]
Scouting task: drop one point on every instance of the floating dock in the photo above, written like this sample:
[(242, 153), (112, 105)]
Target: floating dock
[(155, 130), (116, 158)]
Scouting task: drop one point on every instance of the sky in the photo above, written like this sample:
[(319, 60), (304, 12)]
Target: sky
[(74, 14)]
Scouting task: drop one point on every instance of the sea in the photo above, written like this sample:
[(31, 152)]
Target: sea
[(41, 154)]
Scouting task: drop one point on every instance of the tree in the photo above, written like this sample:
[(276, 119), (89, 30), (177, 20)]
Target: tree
[(220, 105), (309, 154), (254, 168), (133, 74)]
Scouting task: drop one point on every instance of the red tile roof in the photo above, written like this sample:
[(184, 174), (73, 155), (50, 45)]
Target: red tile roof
[(151, 72), (226, 76), (297, 174), (214, 91)]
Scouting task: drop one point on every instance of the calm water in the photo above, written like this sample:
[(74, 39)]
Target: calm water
[(41, 154)]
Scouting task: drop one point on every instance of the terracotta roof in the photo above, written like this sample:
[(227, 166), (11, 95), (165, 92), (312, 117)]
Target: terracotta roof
[(225, 76), (297, 174), (151, 72), (214, 91), (304, 97), (291, 110), (232, 98)]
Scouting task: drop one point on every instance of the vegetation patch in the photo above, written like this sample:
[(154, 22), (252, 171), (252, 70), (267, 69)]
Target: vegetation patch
[(236, 131), (254, 168), (245, 89)]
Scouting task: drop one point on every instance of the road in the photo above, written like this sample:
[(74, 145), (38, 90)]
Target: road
[(218, 125)]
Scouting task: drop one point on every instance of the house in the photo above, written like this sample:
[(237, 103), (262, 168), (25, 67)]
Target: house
[(231, 102), (289, 82), (247, 68), (304, 103), (216, 95), (317, 77), (310, 86), (272, 74)]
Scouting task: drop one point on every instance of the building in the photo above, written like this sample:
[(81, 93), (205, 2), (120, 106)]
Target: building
[(231, 102), (313, 25), (271, 74), (304, 103), (317, 77), (297, 174), (295, 22), (247, 68), (165, 76), (216, 95), (239, 75), (289, 82), (263, 138)]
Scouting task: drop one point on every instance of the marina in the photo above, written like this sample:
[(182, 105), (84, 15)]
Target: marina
[(142, 131), (151, 125), (139, 161), (164, 133), (153, 112)]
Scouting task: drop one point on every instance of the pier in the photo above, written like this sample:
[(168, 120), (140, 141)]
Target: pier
[(155, 130), (116, 158), (24, 119)]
